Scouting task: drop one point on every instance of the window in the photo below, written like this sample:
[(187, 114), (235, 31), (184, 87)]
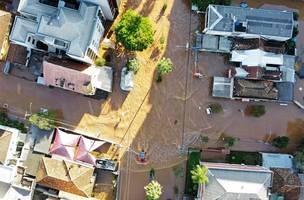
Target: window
[(29, 39)]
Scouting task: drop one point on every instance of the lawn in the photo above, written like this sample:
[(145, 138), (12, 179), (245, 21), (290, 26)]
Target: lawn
[(247, 158), (193, 160)]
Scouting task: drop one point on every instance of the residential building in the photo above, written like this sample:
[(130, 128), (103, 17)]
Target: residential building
[(77, 77), (56, 176), (249, 22), (61, 27), (81, 149), (233, 181), (14, 184), (252, 90), (5, 21), (286, 182)]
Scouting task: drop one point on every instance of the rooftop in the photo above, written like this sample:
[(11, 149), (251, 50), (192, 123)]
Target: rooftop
[(250, 20), (75, 76), (256, 57), (60, 26), (286, 182), (260, 89), (222, 87), (66, 176), (232, 181), (276, 160)]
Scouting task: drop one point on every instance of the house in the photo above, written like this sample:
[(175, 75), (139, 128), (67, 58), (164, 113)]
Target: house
[(55, 176), (8, 144), (76, 77), (81, 149), (14, 183), (252, 90), (286, 182), (233, 181), (73, 29), (249, 22), (5, 21)]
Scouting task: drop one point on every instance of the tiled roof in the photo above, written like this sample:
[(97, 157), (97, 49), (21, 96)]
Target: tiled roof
[(66, 176), (286, 182), (5, 140)]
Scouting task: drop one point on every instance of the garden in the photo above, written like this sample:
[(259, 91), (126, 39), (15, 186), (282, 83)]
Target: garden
[(242, 157)]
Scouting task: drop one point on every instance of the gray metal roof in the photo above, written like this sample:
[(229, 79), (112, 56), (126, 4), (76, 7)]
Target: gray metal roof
[(237, 182), (222, 87), (286, 91), (277, 160), (259, 21)]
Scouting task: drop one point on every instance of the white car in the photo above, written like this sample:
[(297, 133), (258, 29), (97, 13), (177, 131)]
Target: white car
[(208, 111), (126, 79)]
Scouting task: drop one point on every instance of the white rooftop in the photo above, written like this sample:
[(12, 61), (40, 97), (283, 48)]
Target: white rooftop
[(102, 78), (59, 26), (22, 27), (256, 57), (275, 160)]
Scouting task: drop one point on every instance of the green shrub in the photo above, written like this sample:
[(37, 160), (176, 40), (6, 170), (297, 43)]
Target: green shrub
[(153, 190), (229, 141), (133, 65), (255, 110), (280, 142), (100, 62), (203, 4), (295, 31), (164, 66), (162, 40), (44, 120), (216, 108), (5, 121), (295, 16)]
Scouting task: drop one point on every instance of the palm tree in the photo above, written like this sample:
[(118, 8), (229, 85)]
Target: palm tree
[(199, 176)]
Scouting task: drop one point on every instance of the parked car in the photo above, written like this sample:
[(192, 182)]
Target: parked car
[(126, 80), (208, 111)]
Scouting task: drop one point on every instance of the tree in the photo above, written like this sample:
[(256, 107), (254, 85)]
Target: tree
[(153, 190), (199, 176), (203, 4), (299, 160), (255, 110), (229, 141), (280, 142), (134, 31), (44, 120), (164, 66), (216, 107)]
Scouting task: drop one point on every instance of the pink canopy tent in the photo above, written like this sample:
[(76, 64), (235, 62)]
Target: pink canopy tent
[(64, 144), (85, 147)]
